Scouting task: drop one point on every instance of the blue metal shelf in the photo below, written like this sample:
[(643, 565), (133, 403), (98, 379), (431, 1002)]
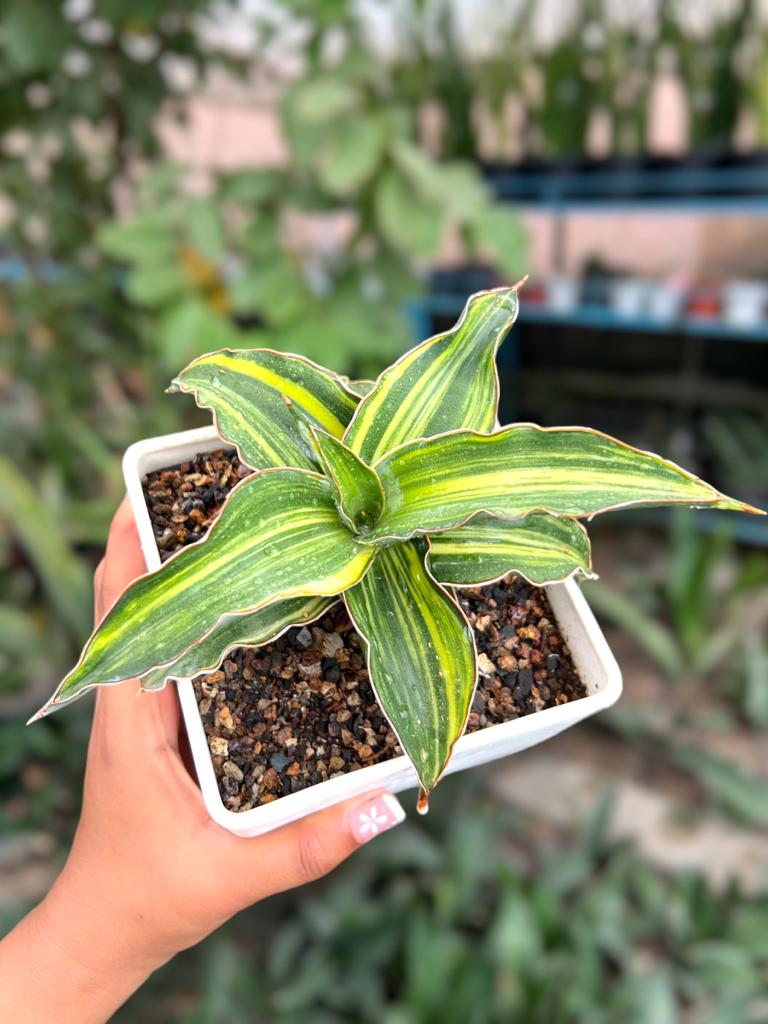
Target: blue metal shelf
[(720, 206), (714, 190)]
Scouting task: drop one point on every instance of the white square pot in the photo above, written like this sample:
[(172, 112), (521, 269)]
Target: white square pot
[(745, 304), (629, 297), (591, 654), (563, 293)]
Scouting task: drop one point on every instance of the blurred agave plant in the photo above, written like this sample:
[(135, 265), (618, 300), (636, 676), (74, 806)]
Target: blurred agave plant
[(389, 494)]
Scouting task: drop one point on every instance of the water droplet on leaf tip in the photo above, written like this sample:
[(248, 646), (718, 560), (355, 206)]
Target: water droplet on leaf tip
[(422, 806)]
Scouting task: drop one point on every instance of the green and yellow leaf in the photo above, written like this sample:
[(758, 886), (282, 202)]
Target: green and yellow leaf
[(250, 630), (359, 494), (449, 382), (258, 395), (540, 547), (438, 483), (278, 536), (421, 655)]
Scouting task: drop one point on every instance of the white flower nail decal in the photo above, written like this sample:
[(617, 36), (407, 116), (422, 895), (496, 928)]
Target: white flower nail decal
[(376, 816), (371, 821)]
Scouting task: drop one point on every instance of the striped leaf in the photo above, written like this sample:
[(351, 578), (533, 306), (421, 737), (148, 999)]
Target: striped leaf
[(448, 382), (359, 494), (278, 536), (250, 630), (421, 655), (440, 482), (540, 547), (258, 395)]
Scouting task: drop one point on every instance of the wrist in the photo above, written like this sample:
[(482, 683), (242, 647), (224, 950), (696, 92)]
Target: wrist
[(72, 960), (93, 928), (54, 968)]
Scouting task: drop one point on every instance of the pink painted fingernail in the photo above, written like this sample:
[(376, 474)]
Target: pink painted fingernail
[(376, 815)]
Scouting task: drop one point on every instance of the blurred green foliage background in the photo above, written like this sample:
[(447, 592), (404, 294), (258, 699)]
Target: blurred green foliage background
[(118, 266)]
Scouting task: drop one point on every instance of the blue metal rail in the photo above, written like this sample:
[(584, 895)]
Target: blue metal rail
[(712, 190)]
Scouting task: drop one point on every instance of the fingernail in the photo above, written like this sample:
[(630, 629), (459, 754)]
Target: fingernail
[(375, 815)]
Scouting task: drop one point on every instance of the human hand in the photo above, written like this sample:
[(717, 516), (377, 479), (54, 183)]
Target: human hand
[(150, 873)]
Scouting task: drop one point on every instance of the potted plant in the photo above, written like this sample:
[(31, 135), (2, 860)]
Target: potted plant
[(400, 497)]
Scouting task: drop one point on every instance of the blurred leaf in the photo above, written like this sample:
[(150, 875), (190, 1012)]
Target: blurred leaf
[(419, 170), (651, 999), (147, 236), (205, 230), (17, 633), (432, 959), (321, 99), (653, 637), (499, 229), (514, 940), (279, 291), (595, 838), (463, 193), (725, 969), (743, 796), (190, 328), (33, 36), (407, 222), (690, 598), (755, 672), (154, 285), (163, 181), (352, 153), (250, 186), (18, 744), (747, 930), (64, 578)]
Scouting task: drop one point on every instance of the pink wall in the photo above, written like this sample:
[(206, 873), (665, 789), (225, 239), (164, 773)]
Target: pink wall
[(223, 134)]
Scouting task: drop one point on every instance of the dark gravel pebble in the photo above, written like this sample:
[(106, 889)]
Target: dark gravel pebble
[(286, 716)]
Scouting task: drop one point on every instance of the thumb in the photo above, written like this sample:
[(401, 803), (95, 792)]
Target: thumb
[(310, 848)]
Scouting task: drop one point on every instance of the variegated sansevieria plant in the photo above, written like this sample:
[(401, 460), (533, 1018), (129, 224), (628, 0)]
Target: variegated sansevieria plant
[(390, 496)]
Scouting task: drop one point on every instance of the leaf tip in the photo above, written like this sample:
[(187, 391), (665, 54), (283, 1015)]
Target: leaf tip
[(40, 713), (734, 505)]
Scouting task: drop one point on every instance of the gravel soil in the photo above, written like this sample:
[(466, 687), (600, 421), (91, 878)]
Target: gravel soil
[(301, 710)]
